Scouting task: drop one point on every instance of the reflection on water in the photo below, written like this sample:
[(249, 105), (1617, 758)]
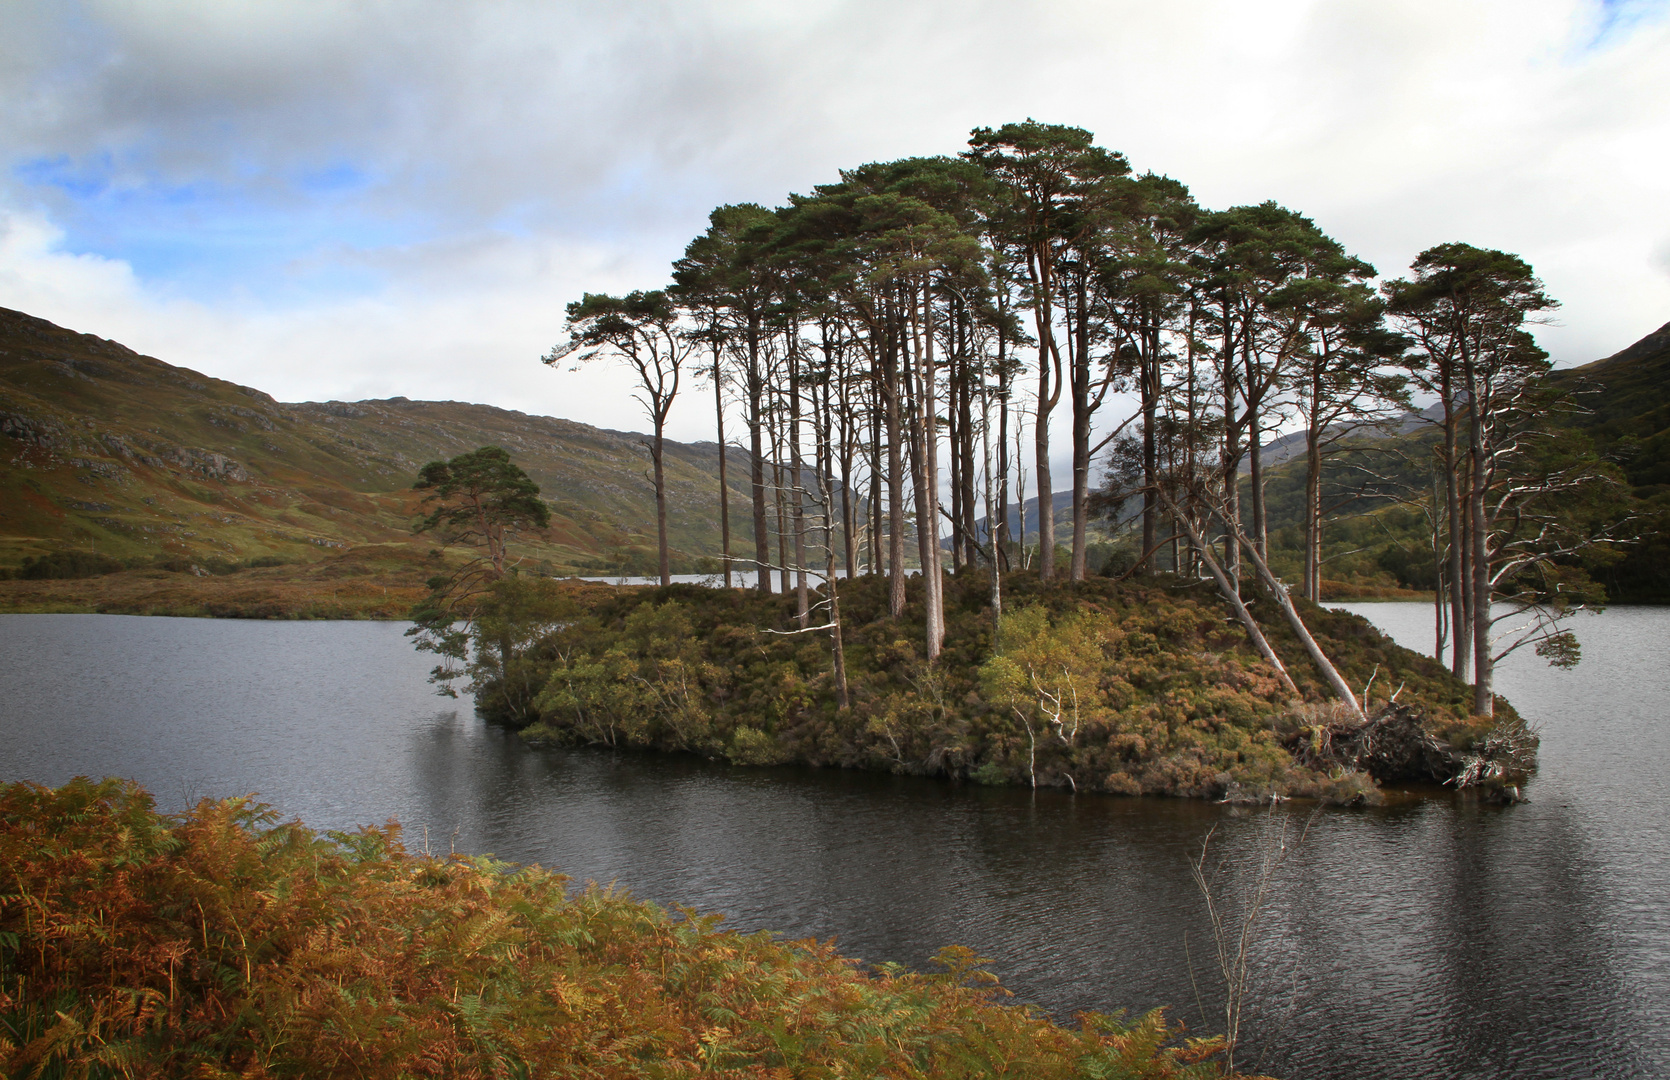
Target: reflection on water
[(1436, 937)]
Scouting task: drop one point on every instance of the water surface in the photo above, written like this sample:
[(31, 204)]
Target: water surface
[(1436, 937)]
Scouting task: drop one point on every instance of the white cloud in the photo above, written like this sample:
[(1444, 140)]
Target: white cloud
[(447, 330), (508, 156), (35, 273)]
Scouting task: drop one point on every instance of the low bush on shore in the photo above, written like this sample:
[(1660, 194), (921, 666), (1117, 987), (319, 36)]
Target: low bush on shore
[(220, 943)]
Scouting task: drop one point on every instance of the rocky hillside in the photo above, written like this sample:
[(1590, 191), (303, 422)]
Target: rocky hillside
[(105, 450)]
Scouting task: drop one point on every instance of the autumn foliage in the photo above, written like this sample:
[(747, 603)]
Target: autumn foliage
[(222, 943)]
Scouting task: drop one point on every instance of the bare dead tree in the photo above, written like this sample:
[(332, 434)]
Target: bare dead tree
[(1235, 906)]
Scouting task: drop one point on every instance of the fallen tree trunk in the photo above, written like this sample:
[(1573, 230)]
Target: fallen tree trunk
[(1278, 592), (1233, 597)]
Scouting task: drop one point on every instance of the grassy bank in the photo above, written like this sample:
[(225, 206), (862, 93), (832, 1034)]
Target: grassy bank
[(219, 943), (373, 581)]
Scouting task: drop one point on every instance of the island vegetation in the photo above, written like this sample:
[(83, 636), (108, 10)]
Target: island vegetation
[(1156, 685)]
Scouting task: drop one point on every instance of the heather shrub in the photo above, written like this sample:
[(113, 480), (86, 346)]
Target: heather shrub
[(1124, 687)]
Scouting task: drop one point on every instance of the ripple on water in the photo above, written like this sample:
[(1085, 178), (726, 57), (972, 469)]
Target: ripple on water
[(1434, 937)]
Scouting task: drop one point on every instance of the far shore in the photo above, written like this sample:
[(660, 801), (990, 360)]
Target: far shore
[(301, 592)]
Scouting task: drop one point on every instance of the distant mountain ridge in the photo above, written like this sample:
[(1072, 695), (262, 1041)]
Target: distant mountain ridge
[(106, 449), (1625, 403)]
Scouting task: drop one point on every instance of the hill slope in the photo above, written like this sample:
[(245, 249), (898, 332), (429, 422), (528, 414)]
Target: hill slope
[(1628, 400), (1625, 403), (104, 449)]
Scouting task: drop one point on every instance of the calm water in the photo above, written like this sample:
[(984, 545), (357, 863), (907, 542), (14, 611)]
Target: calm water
[(1434, 938)]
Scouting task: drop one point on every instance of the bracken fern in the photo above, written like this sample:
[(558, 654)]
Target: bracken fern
[(223, 943)]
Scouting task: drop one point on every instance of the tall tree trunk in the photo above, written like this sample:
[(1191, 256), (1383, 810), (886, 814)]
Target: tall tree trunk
[(895, 485), (798, 485), (878, 505), (824, 456), (1313, 506), (1262, 384), (783, 583), (1440, 593), (931, 569), (1005, 534), (1193, 407), (956, 481), (1150, 393), (837, 648), (1020, 487), (1484, 668), (1049, 363), (1255, 442), (993, 542), (756, 425), (775, 422), (959, 435), (917, 463), (724, 491), (1255, 477), (1232, 449), (849, 505), (1046, 498), (965, 381), (663, 561), (1461, 629), (1079, 377), (915, 447)]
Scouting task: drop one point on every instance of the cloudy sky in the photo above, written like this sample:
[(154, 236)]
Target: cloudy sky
[(330, 200)]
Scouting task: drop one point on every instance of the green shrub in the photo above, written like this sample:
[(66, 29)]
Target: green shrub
[(61, 565), (1140, 687)]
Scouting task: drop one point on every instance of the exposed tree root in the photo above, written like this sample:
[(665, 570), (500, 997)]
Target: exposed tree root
[(1394, 745)]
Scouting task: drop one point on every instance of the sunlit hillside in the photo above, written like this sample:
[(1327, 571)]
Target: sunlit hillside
[(108, 451)]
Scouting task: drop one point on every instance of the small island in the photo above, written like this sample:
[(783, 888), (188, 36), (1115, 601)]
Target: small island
[(1129, 688)]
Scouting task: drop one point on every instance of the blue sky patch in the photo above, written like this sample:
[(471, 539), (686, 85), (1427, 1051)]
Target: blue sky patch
[(336, 179), (293, 234), (83, 181), (1619, 18)]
